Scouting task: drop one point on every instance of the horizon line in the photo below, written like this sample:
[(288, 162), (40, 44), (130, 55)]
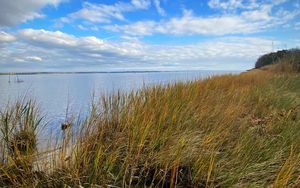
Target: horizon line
[(99, 72)]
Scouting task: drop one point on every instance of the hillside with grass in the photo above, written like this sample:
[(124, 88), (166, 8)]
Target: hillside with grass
[(291, 56), (224, 131)]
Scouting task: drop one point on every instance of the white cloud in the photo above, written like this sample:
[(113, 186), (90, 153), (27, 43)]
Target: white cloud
[(233, 5), (88, 46), (160, 10), (226, 5), (297, 26), (137, 28), (34, 58), (93, 13), (63, 52), (248, 21), (219, 53), (190, 25), (49, 38), (81, 27), (6, 37), (103, 13), (261, 14), (14, 12), (141, 4)]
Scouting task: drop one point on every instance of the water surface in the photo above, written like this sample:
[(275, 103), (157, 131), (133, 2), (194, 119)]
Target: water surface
[(55, 93)]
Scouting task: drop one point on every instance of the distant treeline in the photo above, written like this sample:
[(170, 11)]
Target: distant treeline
[(87, 72), (271, 58)]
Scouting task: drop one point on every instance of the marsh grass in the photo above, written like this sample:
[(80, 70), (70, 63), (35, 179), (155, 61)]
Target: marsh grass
[(19, 125), (231, 130), (291, 67)]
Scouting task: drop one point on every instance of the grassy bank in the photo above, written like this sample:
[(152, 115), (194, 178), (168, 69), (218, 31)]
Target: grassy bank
[(232, 130)]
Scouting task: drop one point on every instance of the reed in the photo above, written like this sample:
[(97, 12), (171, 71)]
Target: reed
[(231, 130)]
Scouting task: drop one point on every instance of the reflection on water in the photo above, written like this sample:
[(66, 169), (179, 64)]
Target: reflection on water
[(55, 92)]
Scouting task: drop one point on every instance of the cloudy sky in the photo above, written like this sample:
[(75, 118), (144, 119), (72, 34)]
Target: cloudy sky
[(107, 35)]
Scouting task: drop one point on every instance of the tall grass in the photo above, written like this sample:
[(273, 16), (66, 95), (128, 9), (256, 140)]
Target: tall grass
[(19, 125), (287, 66), (232, 130)]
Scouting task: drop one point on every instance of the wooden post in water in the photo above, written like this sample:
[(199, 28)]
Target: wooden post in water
[(18, 80)]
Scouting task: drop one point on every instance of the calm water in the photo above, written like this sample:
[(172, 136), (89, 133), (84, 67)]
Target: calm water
[(55, 92)]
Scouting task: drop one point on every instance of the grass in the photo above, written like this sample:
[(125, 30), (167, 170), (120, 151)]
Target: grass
[(225, 131)]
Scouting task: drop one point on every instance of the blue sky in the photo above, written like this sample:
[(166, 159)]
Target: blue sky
[(90, 35)]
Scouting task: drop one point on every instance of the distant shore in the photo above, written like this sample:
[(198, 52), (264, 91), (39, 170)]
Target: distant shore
[(88, 72), (105, 72)]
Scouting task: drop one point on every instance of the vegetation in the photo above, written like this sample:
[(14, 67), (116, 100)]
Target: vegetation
[(232, 130), (293, 55)]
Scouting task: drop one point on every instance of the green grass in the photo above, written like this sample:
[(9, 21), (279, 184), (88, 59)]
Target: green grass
[(232, 130)]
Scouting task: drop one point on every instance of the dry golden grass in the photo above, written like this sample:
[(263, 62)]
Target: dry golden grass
[(232, 130), (290, 67)]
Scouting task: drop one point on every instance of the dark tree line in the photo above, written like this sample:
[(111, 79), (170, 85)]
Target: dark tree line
[(275, 57)]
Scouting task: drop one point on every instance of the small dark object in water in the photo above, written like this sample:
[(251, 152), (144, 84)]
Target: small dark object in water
[(64, 126), (18, 80)]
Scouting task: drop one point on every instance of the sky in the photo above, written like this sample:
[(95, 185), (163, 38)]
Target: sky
[(108, 35)]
